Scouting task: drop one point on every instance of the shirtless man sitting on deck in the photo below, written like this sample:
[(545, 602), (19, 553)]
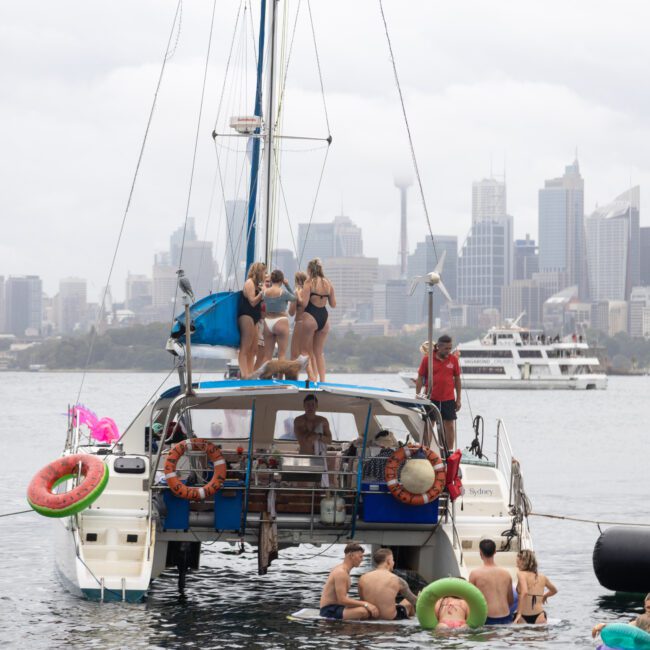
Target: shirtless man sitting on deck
[(334, 601), (381, 586)]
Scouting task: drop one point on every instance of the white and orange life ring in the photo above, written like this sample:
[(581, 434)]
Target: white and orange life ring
[(214, 456), (391, 475)]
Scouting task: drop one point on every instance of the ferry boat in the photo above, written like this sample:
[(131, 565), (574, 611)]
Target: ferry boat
[(217, 461), (517, 357)]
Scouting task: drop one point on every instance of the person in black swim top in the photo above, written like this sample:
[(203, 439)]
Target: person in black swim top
[(249, 312), (317, 292), (534, 589)]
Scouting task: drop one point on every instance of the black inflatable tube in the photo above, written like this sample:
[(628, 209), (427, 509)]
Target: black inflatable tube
[(622, 559)]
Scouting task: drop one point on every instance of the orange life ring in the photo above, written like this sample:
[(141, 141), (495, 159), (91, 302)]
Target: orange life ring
[(399, 491), (40, 493), (214, 456)]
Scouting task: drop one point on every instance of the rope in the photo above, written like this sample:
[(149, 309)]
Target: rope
[(320, 75), (476, 447), (100, 309), (196, 146), (19, 512), (598, 522), (408, 128)]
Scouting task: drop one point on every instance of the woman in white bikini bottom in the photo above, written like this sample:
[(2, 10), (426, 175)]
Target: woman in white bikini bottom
[(276, 328)]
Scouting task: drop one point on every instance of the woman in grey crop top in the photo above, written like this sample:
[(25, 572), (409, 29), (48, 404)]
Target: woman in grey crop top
[(276, 330)]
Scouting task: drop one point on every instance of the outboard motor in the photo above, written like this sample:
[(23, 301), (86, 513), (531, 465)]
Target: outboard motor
[(622, 559)]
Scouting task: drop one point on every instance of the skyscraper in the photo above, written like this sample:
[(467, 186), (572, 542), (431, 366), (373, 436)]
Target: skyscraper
[(488, 200), (422, 261), (23, 305), (199, 266), (561, 227), (285, 260), (338, 238), (236, 242), (526, 260), (72, 305), (485, 263), (612, 235), (139, 289), (644, 256)]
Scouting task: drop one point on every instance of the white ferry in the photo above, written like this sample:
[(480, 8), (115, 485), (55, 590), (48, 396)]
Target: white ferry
[(516, 357)]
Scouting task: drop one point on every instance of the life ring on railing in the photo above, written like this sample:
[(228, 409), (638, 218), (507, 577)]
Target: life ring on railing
[(41, 497), (399, 491), (214, 456), (425, 607)]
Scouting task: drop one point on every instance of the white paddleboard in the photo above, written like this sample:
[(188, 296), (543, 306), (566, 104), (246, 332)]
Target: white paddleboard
[(309, 614)]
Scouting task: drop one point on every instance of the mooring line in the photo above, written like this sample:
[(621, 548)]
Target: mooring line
[(586, 521)]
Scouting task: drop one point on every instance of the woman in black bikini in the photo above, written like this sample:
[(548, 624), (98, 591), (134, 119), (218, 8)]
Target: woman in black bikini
[(531, 586), (249, 313), (316, 294)]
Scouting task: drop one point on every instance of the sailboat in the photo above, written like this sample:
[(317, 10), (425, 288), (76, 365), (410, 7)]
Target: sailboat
[(208, 461)]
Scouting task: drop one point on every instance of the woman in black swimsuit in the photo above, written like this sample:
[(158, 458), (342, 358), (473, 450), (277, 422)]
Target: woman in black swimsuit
[(534, 589), (316, 294), (249, 312)]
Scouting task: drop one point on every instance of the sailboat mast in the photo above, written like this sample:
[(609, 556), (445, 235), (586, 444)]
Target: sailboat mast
[(269, 119), (251, 223)]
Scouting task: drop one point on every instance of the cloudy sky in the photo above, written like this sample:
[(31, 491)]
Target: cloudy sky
[(485, 84)]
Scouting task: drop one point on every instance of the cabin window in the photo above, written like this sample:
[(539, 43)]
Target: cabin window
[(485, 354), (395, 424), (484, 370), (342, 425), (530, 354), (221, 423)]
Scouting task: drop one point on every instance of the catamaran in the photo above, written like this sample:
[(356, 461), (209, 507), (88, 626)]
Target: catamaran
[(217, 461)]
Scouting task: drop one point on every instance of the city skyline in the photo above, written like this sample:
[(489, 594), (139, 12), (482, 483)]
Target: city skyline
[(505, 97)]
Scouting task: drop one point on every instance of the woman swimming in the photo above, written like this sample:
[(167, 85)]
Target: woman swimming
[(531, 587), (276, 318)]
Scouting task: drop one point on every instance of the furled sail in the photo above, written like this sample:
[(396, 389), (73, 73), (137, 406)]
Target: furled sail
[(214, 320)]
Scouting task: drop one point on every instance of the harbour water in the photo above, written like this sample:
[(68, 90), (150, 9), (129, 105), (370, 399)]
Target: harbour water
[(583, 455)]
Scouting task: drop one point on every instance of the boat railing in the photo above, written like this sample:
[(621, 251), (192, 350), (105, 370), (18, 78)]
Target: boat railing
[(504, 456), (293, 485)]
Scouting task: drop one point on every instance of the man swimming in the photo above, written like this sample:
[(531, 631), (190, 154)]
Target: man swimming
[(381, 587), (334, 601)]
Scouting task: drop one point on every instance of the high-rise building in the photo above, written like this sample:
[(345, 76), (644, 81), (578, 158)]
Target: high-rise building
[(644, 256), (561, 227), (422, 261), (72, 313), (353, 279), (180, 238), (338, 238), (165, 282), (236, 243), (23, 305), (402, 183), (639, 309), (524, 296), (526, 260), (485, 263), (488, 200), (2, 304), (139, 292), (612, 237), (285, 260), (396, 303), (199, 266)]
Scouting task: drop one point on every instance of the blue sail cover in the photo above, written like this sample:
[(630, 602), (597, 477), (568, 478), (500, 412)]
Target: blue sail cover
[(214, 318)]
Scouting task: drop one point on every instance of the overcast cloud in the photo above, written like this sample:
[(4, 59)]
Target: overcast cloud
[(524, 82)]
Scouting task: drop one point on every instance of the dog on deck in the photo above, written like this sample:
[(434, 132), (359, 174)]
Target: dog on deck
[(290, 368)]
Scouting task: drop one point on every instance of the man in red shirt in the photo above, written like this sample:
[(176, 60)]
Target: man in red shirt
[(446, 389)]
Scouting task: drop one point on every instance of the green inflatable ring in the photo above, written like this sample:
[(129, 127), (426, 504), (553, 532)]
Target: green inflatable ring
[(425, 608)]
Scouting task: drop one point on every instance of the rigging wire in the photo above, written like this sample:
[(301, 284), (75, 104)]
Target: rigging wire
[(100, 310), (320, 74), (196, 145), (408, 128)]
